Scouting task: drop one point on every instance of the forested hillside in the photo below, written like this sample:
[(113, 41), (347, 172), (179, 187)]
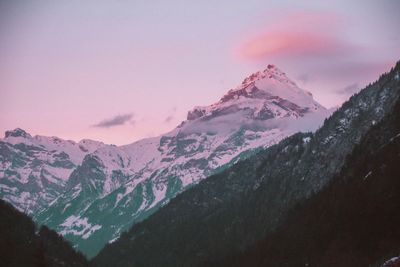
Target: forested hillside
[(23, 245)]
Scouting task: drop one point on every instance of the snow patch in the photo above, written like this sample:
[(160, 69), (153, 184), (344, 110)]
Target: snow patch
[(78, 226), (367, 175)]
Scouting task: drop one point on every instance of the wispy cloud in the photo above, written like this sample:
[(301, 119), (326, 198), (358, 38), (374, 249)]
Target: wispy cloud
[(115, 121), (171, 116), (304, 78), (349, 89), (294, 44), (169, 119), (301, 34)]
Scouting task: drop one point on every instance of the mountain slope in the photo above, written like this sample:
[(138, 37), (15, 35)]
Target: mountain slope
[(21, 245), (353, 222), (114, 187), (233, 209)]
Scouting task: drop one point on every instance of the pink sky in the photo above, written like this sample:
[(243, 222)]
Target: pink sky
[(121, 71)]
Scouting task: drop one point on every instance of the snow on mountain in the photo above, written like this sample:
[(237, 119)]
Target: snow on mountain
[(102, 189), (269, 92), (33, 170)]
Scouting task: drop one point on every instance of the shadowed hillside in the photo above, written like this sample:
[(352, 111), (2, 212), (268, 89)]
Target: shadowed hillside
[(21, 245)]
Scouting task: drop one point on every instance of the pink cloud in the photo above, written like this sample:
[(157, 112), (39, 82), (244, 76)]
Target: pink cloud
[(298, 35), (286, 44)]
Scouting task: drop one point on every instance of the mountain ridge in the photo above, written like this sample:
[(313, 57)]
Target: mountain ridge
[(105, 189)]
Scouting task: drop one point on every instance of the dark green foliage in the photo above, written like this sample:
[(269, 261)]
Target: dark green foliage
[(21, 246), (229, 211), (352, 222)]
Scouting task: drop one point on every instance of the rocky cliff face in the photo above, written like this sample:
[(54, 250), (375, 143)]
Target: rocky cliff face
[(101, 190)]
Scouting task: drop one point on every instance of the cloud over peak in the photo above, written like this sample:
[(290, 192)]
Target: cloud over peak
[(301, 34)]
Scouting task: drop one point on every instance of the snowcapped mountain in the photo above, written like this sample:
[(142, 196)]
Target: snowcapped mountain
[(34, 170), (91, 192)]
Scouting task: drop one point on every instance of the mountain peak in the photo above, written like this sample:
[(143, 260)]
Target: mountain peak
[(271, 72), (262, 90), (17, 132)]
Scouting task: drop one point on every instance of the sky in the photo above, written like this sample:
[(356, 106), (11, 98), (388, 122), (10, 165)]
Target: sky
[(119, 71)]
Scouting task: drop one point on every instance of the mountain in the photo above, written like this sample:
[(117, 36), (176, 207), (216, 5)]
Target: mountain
[(21, 244), (354, 221), (92, 195), (235, 208), (34, 170)]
